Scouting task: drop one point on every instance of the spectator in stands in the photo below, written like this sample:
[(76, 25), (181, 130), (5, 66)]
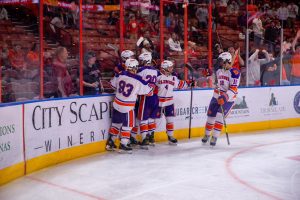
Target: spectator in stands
[(283, 14), (295, 71), (293, 12), (217, 51), (254, 67), (215, 16), (56, 22), (174, 43), (113, 18), (271, 35), (75, 13), (91, 75), (238, 61), (3, 14), (223, 5), (201, 15), (145, 9), (146, 47), (170, 21), (133, 28), (233, 8), (17, 58), (145, 37), (64, 80), (258, 31), (242, 21), (4, 55), (32, 57)]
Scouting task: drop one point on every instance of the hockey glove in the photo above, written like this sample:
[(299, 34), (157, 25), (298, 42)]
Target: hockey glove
[(222, 99), (192, 83)]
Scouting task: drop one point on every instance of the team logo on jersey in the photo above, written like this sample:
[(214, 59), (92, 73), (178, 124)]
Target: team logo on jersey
[(297, 102)]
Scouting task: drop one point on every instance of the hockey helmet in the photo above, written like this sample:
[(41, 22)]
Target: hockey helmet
[(145, 58), (225, 57), (131, 64), (166, 64), (126, 54), (167, 67)]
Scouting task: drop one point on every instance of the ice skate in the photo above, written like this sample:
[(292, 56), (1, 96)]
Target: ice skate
[(205, 139), (151, 139), (172, 140), (110, 145), (125, 149), (213, 141), (144, 144), (133, 143)]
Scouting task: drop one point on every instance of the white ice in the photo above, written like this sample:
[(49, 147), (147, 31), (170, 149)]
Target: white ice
[(256, 166)]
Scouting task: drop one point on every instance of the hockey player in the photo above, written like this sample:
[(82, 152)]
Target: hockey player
[(166, 83), (224, 95), (127, 85), (148, 105), (126, 54)]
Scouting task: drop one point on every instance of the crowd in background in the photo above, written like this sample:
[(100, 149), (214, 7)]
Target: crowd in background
[(262, 23)]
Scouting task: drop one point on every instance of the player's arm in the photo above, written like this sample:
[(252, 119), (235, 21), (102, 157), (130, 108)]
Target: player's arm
[(145, 88), (234, 82), (113, 82), (180, 84)]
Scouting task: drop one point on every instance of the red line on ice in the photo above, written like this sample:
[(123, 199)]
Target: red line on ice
[(243, 182), (64, 188), (297, 158)]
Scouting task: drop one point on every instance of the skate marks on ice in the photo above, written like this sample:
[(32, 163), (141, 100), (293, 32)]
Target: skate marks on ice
[(189, 170)]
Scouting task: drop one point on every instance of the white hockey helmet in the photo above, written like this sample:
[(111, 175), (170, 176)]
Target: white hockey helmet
[(131, 64), (166, 64), (126, 54), (225, 57), (145, 58)]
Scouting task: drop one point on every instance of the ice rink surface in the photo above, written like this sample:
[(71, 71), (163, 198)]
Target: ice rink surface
[(256, 166)]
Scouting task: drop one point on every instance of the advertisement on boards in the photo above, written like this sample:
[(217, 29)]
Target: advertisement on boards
[(55, 125), (11, 136)]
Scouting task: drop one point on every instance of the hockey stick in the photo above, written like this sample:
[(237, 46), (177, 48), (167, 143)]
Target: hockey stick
[(224, 121), (191, 69)]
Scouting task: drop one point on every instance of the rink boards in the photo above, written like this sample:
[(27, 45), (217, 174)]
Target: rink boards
[(38, 134)]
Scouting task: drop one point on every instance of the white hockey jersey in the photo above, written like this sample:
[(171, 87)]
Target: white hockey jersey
[(128, 86), (166, 86), (148, 74), (228, 82)]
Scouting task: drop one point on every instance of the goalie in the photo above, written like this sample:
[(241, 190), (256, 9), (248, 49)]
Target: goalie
[(224, 95)]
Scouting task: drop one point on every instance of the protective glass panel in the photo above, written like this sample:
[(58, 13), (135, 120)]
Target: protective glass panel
[(20, 52)]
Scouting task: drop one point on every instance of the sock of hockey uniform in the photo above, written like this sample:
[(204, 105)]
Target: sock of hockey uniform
[(144, 128), (209, 125), (134, 131), (125, 135), (151, 125), (114, 130), (218, 125), (170, 125)]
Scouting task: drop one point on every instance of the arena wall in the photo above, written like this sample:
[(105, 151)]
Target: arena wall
[(39, 134)]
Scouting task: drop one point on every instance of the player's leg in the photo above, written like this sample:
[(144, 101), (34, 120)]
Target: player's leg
[(151, 127), (170, 114), (128, 123), (154, 113), (143, 116), (219, 122), (134, 133), (114, 130), (211, 115)]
